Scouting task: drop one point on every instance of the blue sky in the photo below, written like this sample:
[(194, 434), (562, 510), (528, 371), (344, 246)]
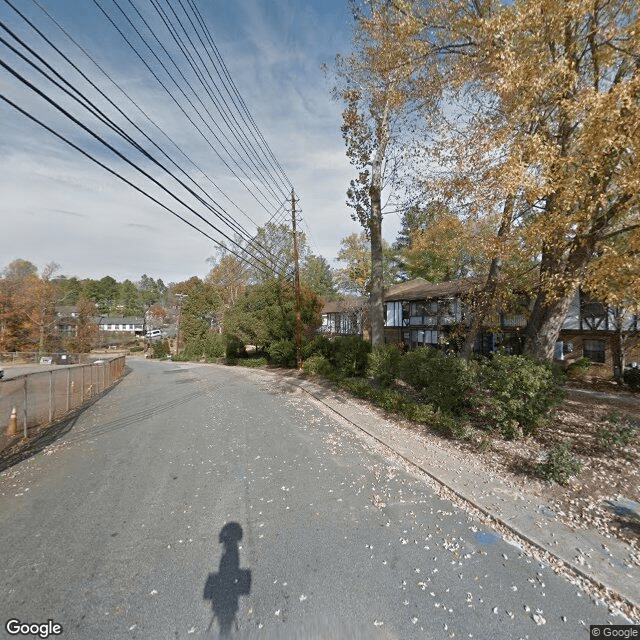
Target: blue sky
[(58, 206)]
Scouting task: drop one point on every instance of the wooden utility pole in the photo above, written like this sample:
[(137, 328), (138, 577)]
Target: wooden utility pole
[(296, 261), (181, 297)]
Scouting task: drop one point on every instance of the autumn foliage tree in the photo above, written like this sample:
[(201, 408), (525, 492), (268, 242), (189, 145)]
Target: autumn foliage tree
[(355, 276), (375, 83), (542, 99)]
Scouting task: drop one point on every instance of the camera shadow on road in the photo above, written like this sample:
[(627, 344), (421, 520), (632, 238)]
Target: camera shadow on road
[(224, 588)]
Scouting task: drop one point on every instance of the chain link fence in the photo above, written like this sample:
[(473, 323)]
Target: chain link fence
[(46, 396), (8, 358)]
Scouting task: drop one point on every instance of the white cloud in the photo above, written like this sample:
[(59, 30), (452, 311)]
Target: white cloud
[(58, 206)]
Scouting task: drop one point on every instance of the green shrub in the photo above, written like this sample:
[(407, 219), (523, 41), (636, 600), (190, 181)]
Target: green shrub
[(579, 368), (631, 377), (519, 393), (621, 433), (358, 387), (560, 465), (318, 365), (384, 363), (282, 353), (160, 349), (451, 426), (252, 363), (214, 346), (421, 412), (320, 345), (350, 355), (234, 348), (393, 401), (448, 382)]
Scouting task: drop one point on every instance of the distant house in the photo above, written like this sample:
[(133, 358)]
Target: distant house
[(344, 317), (67, 320), (121, 324)]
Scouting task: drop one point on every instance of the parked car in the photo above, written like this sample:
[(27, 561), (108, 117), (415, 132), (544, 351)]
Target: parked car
[(154, 334)]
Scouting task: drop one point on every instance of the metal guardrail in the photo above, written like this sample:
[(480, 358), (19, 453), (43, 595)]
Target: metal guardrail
[(46, 396)]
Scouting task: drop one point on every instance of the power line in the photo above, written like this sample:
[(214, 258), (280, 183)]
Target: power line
[(115, 151), (87, 104), (116, 174), (179, 88), (239, 97), (220, 104), (258, 146), (263, 164), (144, 113)]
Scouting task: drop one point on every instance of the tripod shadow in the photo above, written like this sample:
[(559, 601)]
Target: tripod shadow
[(225, 587)]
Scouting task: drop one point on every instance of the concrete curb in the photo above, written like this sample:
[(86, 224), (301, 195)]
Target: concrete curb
[(611, 571)]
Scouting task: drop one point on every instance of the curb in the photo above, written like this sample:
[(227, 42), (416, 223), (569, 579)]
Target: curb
[(572, 568)]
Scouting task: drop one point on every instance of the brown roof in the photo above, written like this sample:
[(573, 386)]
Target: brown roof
[(417, 289), (420, 289), (344, 306)]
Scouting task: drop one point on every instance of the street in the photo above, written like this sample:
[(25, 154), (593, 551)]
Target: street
[(207, 501)]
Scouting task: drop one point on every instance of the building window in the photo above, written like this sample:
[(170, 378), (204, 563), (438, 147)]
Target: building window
[(594, 350)]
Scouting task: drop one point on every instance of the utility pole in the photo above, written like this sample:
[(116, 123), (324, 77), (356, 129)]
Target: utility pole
[(181, 297), (296, 282)]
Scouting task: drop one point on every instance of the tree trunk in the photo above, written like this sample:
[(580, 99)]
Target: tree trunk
[(618, 343), (618, 353), (376, 307), (544, 325), (550, 309), (488, 294)]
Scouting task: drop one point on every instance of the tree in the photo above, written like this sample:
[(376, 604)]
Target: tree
[(272, 252), (30, 300), (230, 277), (265, 313), (198, 308), (356, 276), (70, 288), (19, 270), (129, 299), (103, 292), (14, 305), (43, 295), (553, 89), (151, 291), (413, 219), (86, 328), (317, 275), (376, 88), (445, 247)]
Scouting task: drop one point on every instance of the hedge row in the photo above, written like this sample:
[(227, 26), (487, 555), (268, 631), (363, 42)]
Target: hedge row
[(512, 395)]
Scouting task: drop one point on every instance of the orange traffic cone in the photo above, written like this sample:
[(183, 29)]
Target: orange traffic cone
[(12, 429)]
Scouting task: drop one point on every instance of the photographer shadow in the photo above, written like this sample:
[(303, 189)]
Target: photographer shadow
[(225, 587)]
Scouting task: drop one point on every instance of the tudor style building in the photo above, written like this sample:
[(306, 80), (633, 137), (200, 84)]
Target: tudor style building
[(421, 313)]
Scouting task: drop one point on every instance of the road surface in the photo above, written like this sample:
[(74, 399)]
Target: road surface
[(197, 501)]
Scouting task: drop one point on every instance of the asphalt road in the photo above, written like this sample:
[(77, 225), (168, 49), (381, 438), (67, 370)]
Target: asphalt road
[(201, 501)]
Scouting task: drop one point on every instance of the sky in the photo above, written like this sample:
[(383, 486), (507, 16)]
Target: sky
[(58, 206)]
